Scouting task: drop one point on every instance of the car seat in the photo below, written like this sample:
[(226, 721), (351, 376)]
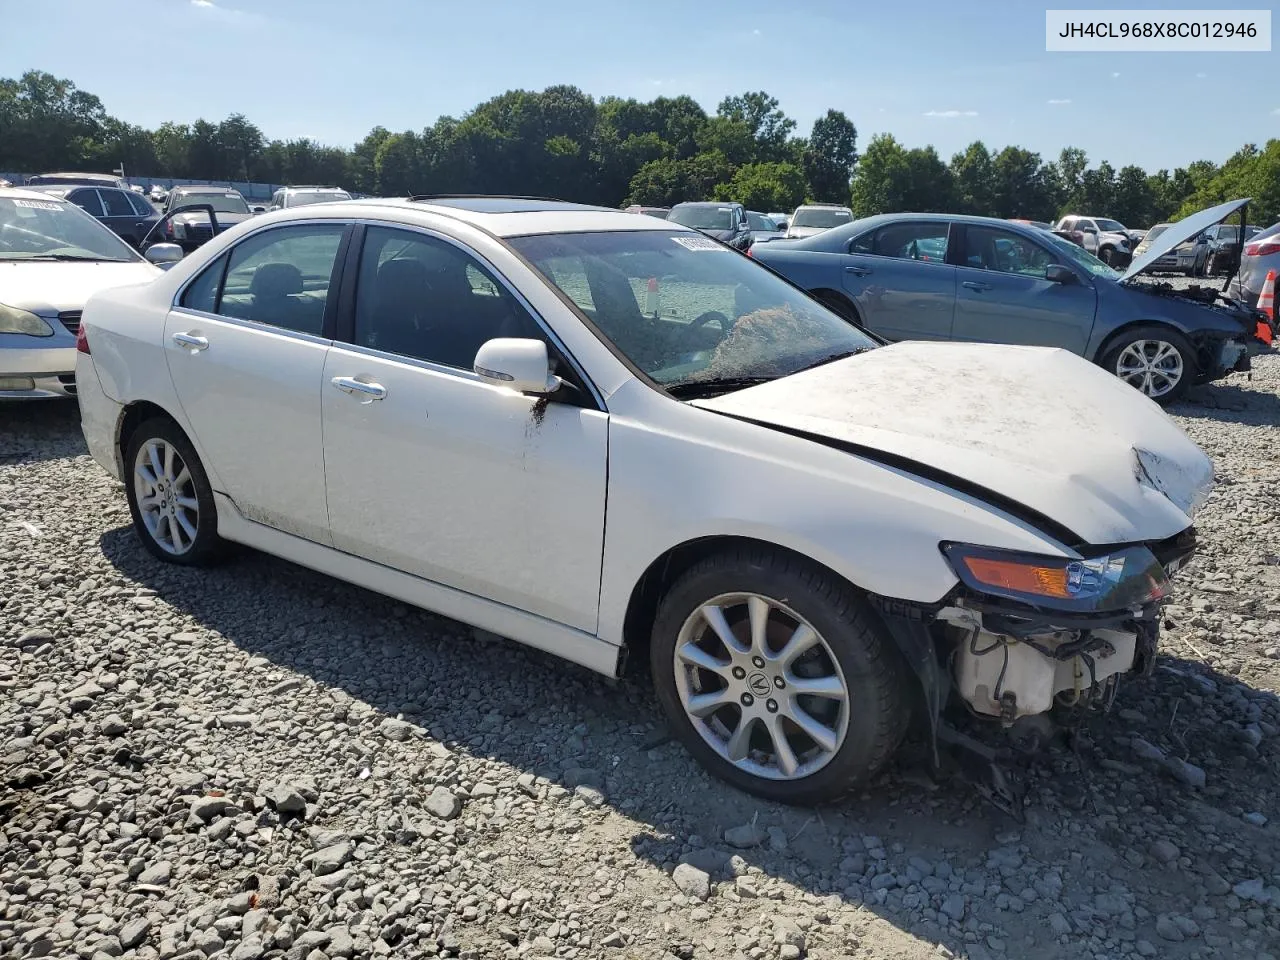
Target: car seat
[(272, 290)]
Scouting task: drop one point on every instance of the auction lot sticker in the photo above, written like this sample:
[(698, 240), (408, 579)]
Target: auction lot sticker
[(1156, 31), (37, 204)]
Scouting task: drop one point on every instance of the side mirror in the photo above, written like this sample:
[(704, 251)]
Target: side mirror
[(162, 253), (522, 365), (1057, 273), (259, 209)]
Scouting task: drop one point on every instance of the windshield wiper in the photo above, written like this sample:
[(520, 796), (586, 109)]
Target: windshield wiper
[(72, 257), (700, 388), (842, 355)]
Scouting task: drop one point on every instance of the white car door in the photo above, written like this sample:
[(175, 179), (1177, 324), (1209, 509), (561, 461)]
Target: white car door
[(436, 473), (246, 346)]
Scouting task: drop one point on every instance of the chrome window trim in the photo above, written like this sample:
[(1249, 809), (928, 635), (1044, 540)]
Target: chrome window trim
[(507, 285), (182, 288), (252, 325)]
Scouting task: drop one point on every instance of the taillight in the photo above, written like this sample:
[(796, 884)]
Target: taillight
[(82, 340), (750, 253), (168, 228), (1262, 248)]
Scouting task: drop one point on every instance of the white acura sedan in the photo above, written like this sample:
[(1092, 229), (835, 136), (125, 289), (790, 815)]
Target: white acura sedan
[(602, 435)]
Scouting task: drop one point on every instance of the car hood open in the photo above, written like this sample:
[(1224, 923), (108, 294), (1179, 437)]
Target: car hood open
[(1179, 233), (1036, 431)]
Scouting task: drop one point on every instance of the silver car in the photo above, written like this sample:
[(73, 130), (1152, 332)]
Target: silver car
[(1261, 254), (812, 218), (1188, 258)]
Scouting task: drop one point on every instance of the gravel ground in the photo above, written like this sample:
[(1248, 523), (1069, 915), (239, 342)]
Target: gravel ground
[(258, 761)]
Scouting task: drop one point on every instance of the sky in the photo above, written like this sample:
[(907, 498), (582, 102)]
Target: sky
[(927, 71)]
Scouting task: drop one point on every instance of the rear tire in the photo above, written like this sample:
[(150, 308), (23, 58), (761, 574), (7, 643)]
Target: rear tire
[(1156, 360), (794, 627), (170, 497)]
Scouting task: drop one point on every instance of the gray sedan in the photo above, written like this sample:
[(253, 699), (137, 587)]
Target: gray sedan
[(1261, 254), (942, 277)]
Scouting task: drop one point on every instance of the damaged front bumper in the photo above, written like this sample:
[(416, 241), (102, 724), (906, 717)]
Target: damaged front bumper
[(1004, 659)]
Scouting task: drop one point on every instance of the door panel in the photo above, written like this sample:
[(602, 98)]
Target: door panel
[(1002, 295), (252, 397), (472, 486), (900, 281)]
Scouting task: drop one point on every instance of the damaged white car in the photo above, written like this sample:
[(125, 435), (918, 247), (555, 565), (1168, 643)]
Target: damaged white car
[(608, 436)]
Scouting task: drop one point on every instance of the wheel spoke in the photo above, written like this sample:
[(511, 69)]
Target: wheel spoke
[(758, 614), (151, 502), (697, 657), (828, 687), (783, 755), (740, 741), (168, 460), (149, 478), (715, 619), (153, 454), (702, 705), (189, 503), (187, 527), (183, 478), (802, 638), (819, 733)]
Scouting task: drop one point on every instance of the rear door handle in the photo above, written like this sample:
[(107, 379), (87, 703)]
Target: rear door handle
[(190, 341), (858, 271), (975, 285), (370, 391)]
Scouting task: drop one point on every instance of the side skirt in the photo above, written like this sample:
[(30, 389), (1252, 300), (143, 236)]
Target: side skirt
[(555, 638)]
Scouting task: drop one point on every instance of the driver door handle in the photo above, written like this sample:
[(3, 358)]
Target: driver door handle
[(190, 341), (975, 285), (858, 271), (370, 391)]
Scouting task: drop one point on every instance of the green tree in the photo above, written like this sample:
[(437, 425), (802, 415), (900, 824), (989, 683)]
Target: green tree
[(1097, 190), (765, 186), (668, 181), (1133, 203), (828, 158), (881, 182), (974, 175), (1021, 187), (766, 124)]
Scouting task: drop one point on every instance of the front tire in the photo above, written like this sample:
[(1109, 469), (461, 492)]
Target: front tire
[(1156, 360), (773, 674), (170, 497)]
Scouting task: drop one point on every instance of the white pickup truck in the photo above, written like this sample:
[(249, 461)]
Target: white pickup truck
[(1108, 240)]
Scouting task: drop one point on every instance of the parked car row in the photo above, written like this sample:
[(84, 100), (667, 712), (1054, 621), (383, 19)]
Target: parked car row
[(811, 537), (737, 227)]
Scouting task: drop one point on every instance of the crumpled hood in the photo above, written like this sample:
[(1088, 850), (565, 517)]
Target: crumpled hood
[(49, 287), (1037, 426)]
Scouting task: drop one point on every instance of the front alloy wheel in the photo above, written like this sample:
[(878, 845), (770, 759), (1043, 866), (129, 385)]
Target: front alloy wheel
[(1155, 367), (774, 673), (761, 686)]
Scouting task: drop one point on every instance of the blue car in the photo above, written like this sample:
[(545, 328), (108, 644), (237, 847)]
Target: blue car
[(921, 276)]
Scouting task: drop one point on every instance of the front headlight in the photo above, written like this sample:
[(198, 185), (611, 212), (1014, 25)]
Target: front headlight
[(13, 320), (1126, 577)]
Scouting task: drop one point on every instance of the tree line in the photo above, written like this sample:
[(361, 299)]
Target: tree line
[(561, 142)]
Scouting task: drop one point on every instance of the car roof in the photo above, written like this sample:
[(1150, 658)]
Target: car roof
[(204, 188), (708, 203), (822, 206), (500, 216)]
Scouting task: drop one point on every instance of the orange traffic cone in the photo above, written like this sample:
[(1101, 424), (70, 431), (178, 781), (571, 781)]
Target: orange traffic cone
[(651, 298), (1267, 305)]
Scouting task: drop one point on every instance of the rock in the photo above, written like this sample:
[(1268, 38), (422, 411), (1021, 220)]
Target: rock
[(443, 803), (134, 932), (614, 939), (777, 839), (1059, 925), (1146, 948), (1166, 929), (238, 721), (708, 859), (1188, 773), (953, 906), (589, 795), (1252, 890), (1163, 851), (1255, 818), (340, 943), (691, 881), (1146, 751), (157, 875), (397, 730), (330, 859), (34, 637), (787, 932), (206, 808), (744, 837), (286, 800), (113, 726), (83, 799), (251, 948)]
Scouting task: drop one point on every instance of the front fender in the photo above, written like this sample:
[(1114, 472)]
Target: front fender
[(681, 474)]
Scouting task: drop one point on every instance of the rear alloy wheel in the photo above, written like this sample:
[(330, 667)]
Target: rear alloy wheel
[(774, 676), (169, 495), (1158, 362)]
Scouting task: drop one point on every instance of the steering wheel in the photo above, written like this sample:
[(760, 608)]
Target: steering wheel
[(694, 329)]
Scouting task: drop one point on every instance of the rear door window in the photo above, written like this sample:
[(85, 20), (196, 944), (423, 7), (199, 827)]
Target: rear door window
[(924, 240), (283, 277), (117, 203), (87, 200), (141, 205)]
